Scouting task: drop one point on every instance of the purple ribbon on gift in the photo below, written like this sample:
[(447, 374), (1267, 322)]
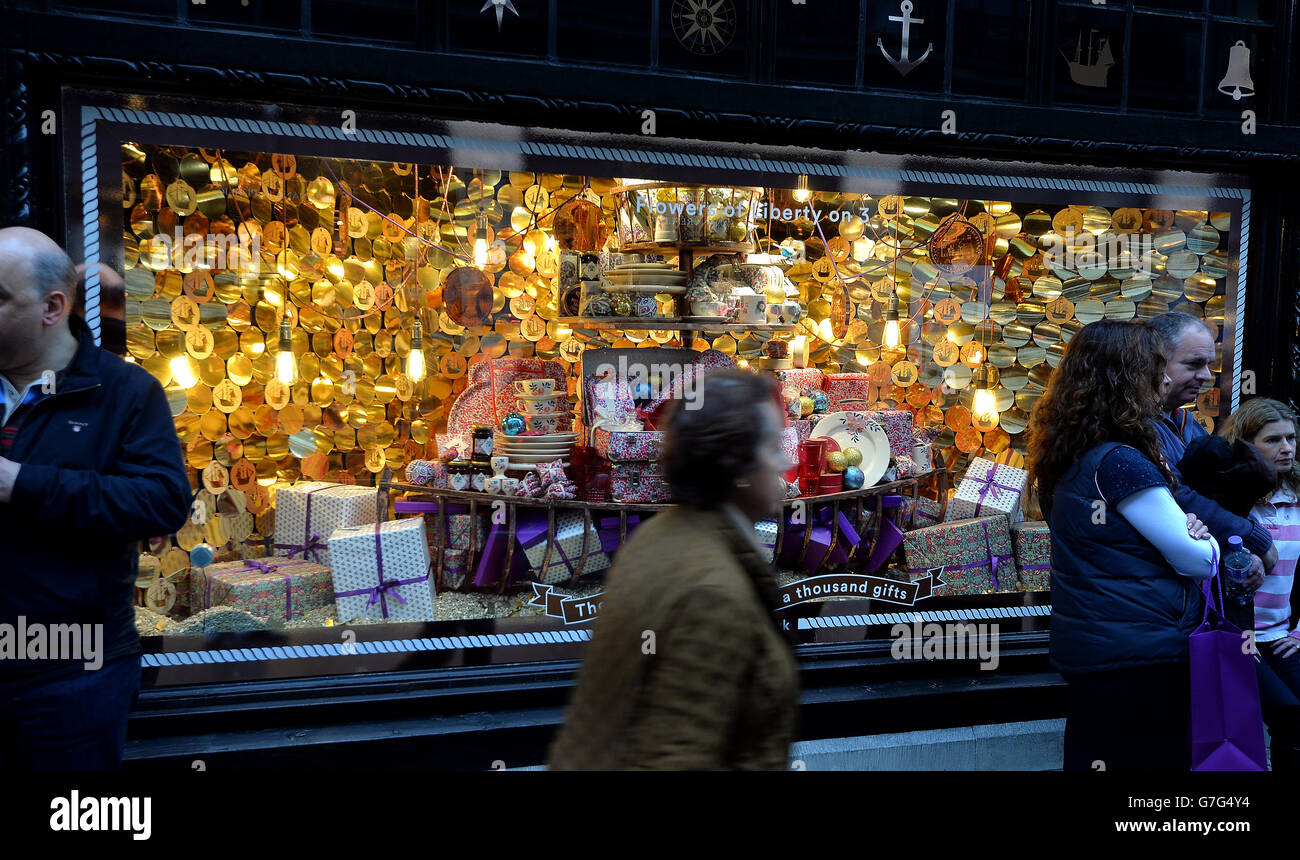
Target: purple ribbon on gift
[(377, 593), (312, 542), (251, 565), (990, 486)]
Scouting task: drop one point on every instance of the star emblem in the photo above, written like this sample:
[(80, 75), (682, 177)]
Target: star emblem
[(501, 7)]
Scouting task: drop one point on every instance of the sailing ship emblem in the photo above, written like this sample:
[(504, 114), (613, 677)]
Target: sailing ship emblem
[(1090, 66)]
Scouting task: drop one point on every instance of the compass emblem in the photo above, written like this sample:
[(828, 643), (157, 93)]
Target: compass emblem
[(704, 27)]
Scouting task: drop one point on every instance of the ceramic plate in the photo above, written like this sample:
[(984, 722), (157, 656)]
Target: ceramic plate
[(548, 438), (645, 288), (858, 430)]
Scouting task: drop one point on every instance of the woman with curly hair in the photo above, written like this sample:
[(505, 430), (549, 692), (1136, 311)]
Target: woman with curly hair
[(688, 667), (1126, 561)]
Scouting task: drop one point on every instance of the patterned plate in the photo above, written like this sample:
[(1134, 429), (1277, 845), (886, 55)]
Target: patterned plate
[(858, 430)]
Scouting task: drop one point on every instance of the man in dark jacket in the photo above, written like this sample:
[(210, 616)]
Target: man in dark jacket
[(1190, 348), (89, 465)]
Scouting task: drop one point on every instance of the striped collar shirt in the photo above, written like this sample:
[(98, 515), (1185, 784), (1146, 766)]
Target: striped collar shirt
[(1280, 514)]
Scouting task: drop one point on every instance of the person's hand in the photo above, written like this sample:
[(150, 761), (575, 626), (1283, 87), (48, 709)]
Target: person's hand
[(1270, 558), (1286, 646), (8, 476), (1196, 528), (1255, 578)]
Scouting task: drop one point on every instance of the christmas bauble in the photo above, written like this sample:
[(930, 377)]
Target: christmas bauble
[(836, 463), (806, 405), (853, 456), (853, 477)]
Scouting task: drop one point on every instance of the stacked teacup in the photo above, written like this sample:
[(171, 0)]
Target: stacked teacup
[(547, 415)]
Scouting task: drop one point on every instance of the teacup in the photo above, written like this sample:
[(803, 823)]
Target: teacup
[(543, 423), (510, 486), (753, 309), (542, 404), (494, 485), (783, 313), (534, 387)]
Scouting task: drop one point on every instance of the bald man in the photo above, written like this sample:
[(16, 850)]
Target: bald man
[(89, 466)]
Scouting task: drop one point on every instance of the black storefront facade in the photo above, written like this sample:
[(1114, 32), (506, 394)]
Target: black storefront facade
[(1003, 95)]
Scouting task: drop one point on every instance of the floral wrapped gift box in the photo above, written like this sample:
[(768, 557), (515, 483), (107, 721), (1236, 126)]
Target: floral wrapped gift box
[(276, 588), (1032, 542), (975, 555)]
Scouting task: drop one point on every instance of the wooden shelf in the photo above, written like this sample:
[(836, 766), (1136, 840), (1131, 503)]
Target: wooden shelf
[(616, 323), (579, 504), (694, 248)]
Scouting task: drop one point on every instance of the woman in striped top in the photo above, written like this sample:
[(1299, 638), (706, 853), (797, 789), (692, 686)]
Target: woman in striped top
[(1271, 427)]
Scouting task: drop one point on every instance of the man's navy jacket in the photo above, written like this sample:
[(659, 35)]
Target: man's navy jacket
[(100, 469)]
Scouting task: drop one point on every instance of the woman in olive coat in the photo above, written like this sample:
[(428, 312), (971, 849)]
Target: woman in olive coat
[(688, 667)]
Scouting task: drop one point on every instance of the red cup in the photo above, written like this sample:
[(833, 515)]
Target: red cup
[(813, 453)]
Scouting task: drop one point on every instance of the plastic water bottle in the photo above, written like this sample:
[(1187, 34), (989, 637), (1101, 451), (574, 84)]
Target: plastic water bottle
[(1236, 570)]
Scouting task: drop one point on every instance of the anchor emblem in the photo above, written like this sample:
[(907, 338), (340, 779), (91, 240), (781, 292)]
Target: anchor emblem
[(903, 63)]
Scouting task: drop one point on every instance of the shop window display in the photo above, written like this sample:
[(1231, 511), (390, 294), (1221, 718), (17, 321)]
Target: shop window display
[(349, 345)]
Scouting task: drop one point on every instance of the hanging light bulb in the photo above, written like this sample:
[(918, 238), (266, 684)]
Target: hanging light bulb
[(826, 331), (893, 334), (480, 242), (415, 358), (183, 371), (801, 192), (285, 370), (985, 407)]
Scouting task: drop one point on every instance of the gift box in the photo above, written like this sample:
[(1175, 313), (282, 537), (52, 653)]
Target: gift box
[(608, 527), (628, 446), (1032, 544), (897, 424), (455, 568), (988, 488), (797, 380), (307, 514), (383, 571), (567, 551), (819, 554), (975, 555), (841, 387), (460, 530), (639, 482), (279, 588), (921, 512), (803, 428)]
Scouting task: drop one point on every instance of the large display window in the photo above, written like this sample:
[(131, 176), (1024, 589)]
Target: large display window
[(419, 374)]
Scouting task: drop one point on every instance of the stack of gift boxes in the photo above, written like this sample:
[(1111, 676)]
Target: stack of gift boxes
[(983, 543), (329, 548)]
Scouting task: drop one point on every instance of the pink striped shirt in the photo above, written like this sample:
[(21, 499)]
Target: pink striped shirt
[(1280, 514)]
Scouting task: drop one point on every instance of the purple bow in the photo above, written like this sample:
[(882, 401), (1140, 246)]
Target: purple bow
[(313, 545), (990, 486)]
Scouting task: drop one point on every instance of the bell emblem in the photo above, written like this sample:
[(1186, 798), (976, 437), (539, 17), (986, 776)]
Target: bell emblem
[(1237, 82)]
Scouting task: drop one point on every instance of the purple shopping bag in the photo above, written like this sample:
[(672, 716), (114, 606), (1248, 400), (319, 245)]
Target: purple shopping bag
[(1227, 731)]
